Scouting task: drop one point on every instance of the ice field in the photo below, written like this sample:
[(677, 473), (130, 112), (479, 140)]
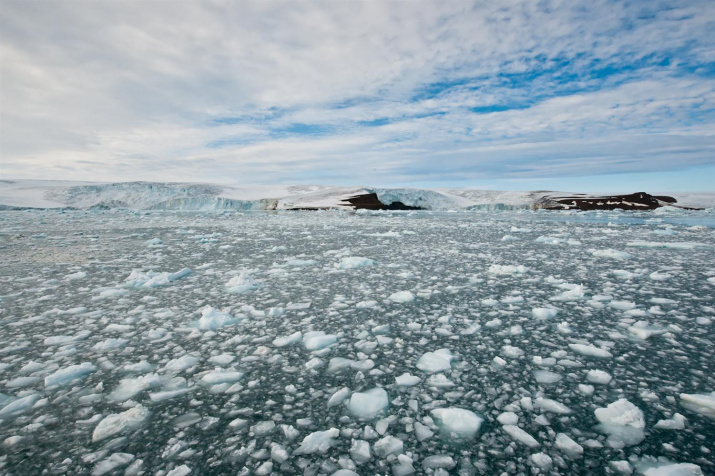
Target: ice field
[(391, 343)]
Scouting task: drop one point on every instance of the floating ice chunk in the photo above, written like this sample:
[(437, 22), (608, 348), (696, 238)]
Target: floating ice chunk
[(609, 253), (586, 389), (623, 422), (120, 422), (507, 269), (576, 293), (677, 422), (457, 422), (568, 446), (653, 468), (541, 460), (620, 466), (318, 340), (352, 262), (288, 340), (113, 463), (19, 405), (599, 376), (154, 242), (437, 361), (318, 442), (152, 279), (110, 344), (64, 340), (241, 284), (314, 363), (623, 274), (338, 364), (520, 436), (407, 380), (263, 427), (548, 405), (703, 403), (129, 387), (360, 451), (546, 377), (471, 329), (20, 382), (388, 445), (221, 376), (182, 470), (544, 313), (439, 381), (180, 364), (339, 397), (369, 404), (168, 394), (590, 351), (222, 359), (212, 318), (549, 240), (622, 305), (402, 297), (658, 276), (508, 418), (68, 374), (643, 330), (299, 263), (76, 276), (438, 461), (511, 351), (685, 245), (112, 292)]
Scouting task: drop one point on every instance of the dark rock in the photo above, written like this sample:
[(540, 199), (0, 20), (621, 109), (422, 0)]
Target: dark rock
[(369, 201), (633, 201)]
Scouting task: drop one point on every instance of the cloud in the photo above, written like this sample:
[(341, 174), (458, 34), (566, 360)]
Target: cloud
[(350, 92)]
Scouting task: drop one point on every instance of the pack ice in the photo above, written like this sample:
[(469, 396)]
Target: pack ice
[(334, 342)]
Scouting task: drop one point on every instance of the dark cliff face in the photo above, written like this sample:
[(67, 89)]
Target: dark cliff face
[(369, 201), (633, 201)]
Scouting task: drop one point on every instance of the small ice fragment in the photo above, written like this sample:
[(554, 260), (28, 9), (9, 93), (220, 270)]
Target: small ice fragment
[(402, 297), (68, 374), (120, 422), (288, 340), (568, 446), (677, 422), (599, 376), (437, 361), (407, 380), (590, 351), (702, 403), (369, 404), (458, 422), (544, 313), (352, 262), (623, 422), (521, 436), (318, 442)]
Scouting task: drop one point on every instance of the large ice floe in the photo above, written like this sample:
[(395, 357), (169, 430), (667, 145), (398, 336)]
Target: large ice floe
[(341, 343)]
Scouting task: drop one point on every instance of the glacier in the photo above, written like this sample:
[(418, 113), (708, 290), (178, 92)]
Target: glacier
[(23, 194)]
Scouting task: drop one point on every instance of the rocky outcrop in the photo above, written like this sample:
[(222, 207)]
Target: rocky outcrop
[(370, 201), (633, 201)]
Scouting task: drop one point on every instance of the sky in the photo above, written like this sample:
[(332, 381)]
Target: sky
[(593, 96)]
